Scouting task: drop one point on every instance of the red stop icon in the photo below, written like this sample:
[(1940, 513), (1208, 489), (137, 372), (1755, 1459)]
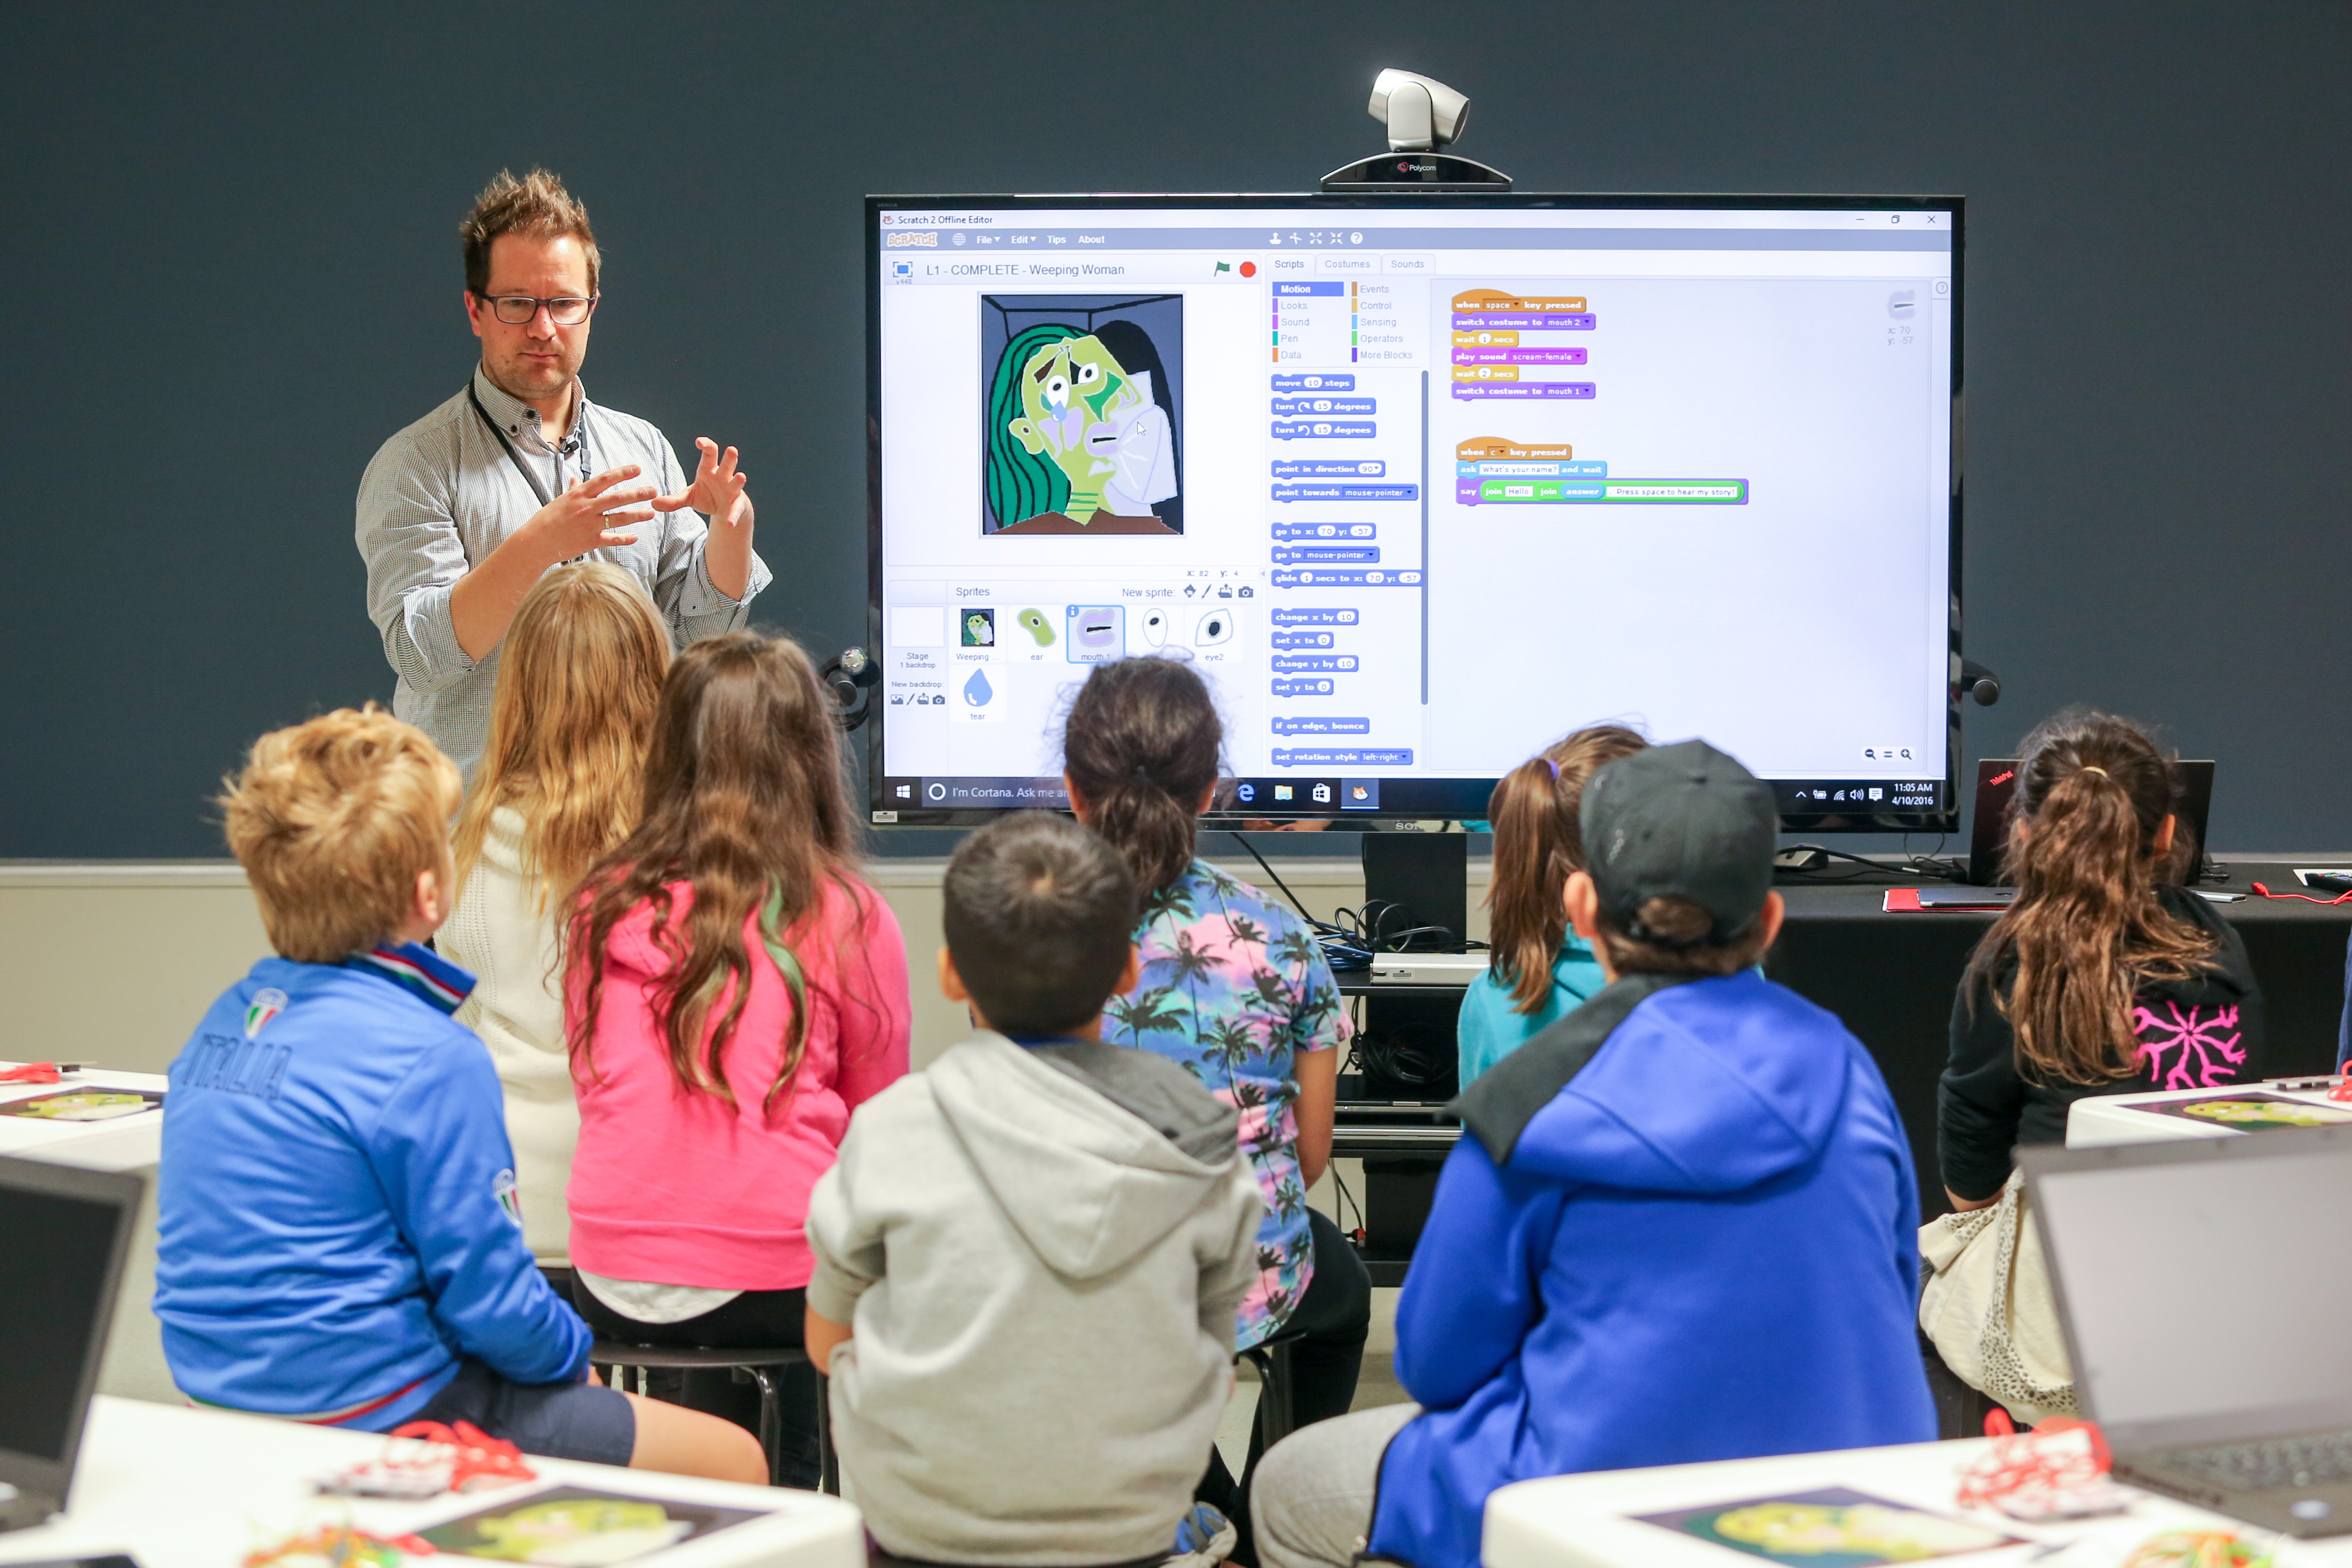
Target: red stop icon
[(1249, 268)]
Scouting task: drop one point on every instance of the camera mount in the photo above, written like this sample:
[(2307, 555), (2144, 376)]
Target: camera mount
[(1423, 115)]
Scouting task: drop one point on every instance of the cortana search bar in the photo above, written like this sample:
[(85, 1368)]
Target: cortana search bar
[(986, 793)]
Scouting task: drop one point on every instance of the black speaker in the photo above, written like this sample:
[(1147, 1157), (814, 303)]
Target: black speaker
[(1426, 879)]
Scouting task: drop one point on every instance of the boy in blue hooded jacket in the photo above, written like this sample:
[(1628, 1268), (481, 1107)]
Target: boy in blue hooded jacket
[(338, 1237), (1681, 1224)]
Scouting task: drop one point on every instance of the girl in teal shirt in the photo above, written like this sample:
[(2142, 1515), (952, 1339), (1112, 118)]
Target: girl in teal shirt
[(1541, 970)]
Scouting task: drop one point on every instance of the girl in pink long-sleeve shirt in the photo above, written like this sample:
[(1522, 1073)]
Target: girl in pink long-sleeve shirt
[(734, 992)]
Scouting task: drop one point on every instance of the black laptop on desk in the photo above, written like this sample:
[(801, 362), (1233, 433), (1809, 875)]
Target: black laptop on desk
[(64, 1233), (1997, 790), (2203, 1286)]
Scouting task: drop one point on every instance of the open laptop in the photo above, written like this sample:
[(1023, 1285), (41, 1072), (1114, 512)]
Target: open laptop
[(64, 1233), (2201, 1284), (1997, 788)]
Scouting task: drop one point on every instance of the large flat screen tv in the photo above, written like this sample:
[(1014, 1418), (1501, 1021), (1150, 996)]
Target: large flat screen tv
[(1418, 483)]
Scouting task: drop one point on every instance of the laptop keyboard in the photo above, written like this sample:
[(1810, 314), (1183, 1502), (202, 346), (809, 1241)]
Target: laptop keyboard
[(2268, 1467)]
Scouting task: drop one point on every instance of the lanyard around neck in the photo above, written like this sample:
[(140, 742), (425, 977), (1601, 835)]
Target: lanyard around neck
[(516, 457)]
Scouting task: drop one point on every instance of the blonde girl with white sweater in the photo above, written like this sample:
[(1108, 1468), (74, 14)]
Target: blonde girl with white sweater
[(580, 674)]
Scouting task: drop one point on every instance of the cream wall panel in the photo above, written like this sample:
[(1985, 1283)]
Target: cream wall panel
[(113, 963), (114, 967)]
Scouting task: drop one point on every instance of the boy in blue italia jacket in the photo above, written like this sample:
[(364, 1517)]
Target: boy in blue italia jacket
[(339, 1239), (1681, 1224)]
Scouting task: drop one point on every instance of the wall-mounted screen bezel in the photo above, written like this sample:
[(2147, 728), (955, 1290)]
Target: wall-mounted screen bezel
[(902, 800)]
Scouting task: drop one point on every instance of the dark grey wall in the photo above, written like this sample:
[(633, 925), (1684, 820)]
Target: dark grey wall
[(230, 272)]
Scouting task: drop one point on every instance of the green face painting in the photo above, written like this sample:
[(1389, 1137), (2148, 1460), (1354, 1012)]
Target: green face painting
[(2268, 1113), (1069, 391), (560, 1532)]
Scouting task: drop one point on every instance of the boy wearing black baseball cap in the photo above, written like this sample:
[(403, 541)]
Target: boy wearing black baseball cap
[(1681, 1225)]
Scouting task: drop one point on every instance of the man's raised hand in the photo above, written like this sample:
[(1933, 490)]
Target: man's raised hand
[(717, 489), (592, 515)]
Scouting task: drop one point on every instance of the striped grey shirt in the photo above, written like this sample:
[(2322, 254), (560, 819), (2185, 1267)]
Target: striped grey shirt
[(442, 494)]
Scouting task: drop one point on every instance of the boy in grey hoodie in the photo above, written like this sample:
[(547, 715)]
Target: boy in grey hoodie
[(1029, 1257)]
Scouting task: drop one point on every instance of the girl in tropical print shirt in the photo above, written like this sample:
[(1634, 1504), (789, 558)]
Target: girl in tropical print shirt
[(1235, 990)]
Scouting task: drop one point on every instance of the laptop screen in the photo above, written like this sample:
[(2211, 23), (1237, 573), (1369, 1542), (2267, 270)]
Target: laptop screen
[(64, 1232), (59, 1250), (2204, 1285)]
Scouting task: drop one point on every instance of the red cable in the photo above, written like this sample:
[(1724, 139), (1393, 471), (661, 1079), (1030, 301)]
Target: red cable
[(2306, 898)]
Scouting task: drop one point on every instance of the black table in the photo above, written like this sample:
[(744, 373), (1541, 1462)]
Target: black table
[(1891, 978)]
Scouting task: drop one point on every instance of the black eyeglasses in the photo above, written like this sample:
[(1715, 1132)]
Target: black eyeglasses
[(564, 310)]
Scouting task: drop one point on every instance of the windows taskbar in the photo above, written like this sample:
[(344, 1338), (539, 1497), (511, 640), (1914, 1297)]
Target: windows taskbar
[(1813, 801)]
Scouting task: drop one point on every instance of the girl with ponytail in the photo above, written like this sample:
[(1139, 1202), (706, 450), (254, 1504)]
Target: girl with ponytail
[(1234, 989), (1541, 968), (2102, 977), (734, 992)]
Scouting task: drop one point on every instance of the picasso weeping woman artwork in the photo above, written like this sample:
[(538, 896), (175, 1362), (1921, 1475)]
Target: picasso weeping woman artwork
[(1081, 427)]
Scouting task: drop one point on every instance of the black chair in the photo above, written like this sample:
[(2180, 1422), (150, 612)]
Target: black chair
[(759, 1366), (1960, 1411), (1275, 1413)]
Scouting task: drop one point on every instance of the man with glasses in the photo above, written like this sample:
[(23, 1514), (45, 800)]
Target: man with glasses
[(461, 512)]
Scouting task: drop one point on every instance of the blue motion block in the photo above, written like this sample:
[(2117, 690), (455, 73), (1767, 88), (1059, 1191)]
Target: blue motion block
[(1315, 617), (1329, 726), (1326, 430), (1344, 577), (1402, 757), (1347, 492), (1315, 664), (1331, 531), (1322, 381), (1329, 554), (1320, 406)]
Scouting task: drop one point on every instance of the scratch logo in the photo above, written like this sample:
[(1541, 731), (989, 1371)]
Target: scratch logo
[(2003, 778), (905, 239), (268, 1003)]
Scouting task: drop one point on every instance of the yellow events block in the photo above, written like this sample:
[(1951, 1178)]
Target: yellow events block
[(1493, 337), (1496, 300), (1485, 373), (1496, 450)]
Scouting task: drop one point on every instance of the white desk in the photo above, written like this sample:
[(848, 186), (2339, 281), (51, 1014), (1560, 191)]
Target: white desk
[(2118, 1118), (1587, 1521), (121, 1143), (134, 1363), (177, 1487)]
